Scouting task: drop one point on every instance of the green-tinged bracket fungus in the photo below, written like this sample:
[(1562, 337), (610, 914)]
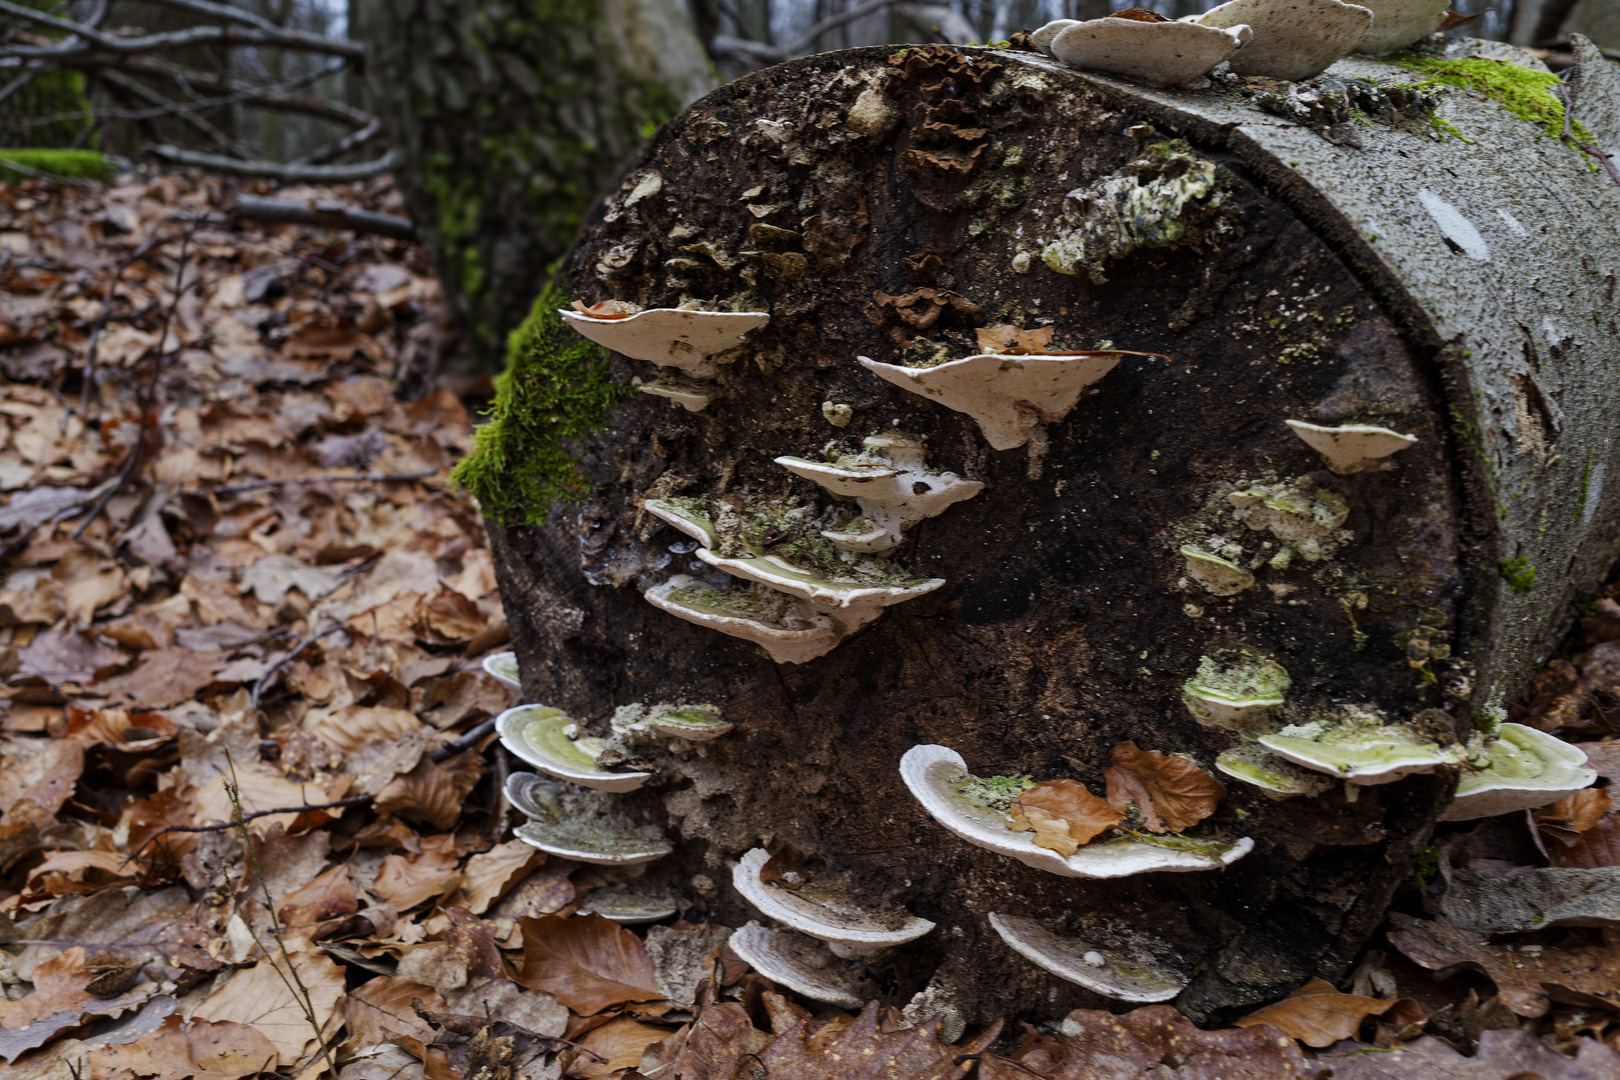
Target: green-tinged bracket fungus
[(1279, 779), (1238, 692), (579, 824), (1359, 748), (938, 778), (1139, 972), (1399, 23), (1519, 768), (631, 903), (787, 629), (1352, 448), (824, 911), (1151, 51), (1293, 39), (551, 741), (1218, 576), (802, 964), (503, 668)]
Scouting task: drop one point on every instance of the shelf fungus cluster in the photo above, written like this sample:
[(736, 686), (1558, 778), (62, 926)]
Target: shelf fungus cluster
[(686, 340), (1138, 968), (802, 599), (580, 824)]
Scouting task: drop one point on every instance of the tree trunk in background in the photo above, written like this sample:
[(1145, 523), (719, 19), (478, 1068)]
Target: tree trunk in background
[(510, 117), (1396, 285)]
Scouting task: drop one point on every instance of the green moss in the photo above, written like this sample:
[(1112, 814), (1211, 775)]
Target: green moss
[(1426, 864), (1518, 573), (555, 390), (55, 164), (1522, 91), (997, 793)]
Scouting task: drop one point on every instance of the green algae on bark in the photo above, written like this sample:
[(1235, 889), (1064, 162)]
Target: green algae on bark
[(1522, 91), (53, 164)]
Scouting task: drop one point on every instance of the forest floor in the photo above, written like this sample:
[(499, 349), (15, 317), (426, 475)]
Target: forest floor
[(251, 823)]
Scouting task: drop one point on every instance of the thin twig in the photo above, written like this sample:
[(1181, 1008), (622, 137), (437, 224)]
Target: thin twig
[(220, 826), (451, 749), (322, 215), (179, 39), (275, 669), (1562, 92), (275, 170)]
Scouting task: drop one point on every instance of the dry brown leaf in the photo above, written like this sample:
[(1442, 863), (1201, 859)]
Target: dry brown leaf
[(40, 772), (1597, 847), (405, 880), (449, 617), (1317, 1014), (488, 876), (588, 962), (1503, 1054), (329, 896), (263, 998), (197, 1049), (163, 678), (88, 584), (1063, 815), (607, 309), (1171, 793), (386, 1006), (432, 792), (58, 988), (546, 891), (1015, 342), (862, 1050), (435, 1062), (617, 1044), (261, 787)]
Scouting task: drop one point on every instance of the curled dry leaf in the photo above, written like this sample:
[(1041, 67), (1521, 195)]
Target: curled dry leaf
[(386, 1006), (1503, 1054), (265, 998), (1317, 1014), (617, 1044), (588, 962), (1171, 793), (608, 309), (1139, 15), (432, 792), (1063, 815), (1012, 341), (199, 1049)]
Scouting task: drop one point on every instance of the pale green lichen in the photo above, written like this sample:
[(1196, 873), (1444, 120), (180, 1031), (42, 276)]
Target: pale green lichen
[(1525, 92), (1298, 513), (1236, 689), (996, 793)]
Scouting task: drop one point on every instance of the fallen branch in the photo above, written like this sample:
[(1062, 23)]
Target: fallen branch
[(325, 216), (274, 170), (86, 39)]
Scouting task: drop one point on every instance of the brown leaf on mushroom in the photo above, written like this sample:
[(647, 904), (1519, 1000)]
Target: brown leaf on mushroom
[(1063, 815), (608, 309), (1317, 1014), (1171, 793), (1139, 15), (1012, 341), (1582, 831)]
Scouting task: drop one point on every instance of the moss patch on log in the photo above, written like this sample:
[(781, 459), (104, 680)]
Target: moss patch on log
[(555, 390), (54, 164), (1522, 91)]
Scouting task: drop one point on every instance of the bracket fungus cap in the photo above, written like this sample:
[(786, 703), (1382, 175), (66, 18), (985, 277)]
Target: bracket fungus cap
[(850, 604), (629, 905), (670, 337), (692, 398), (1358, 754), (1218, 576), (1351, 448), (1042, 38), (1006, 395), (934, 775), (1279, 779), (596, 844), (794, 638), (803, 965), (503, 668), (1293, 39), (1399, 23), (540, 735), (822, 914), (1150, 53), (1123, 978), (693, 523), (694, 723), (1524, 768), (1237, 696)]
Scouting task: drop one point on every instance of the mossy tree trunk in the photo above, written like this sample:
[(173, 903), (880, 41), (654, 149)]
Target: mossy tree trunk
[(510, 117), (888, 203)]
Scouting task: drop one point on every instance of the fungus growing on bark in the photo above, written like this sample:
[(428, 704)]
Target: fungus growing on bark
[(1300, 514), (938, 778), (823, 911), (1279, 779), (1399, 23), (580, 825), (1293, 39), (1237, 692), (1351, 448), (789, 631), (670, 337), (1519, 769), (1359, 748), (1008, 396), (629, 904), (849, 602), (1042, 38), (1145, 48), (1218, 576), (803, 965), (503, 668), (550, 740), (694, 723), (889, 482), (1138, 976), (689, 394)]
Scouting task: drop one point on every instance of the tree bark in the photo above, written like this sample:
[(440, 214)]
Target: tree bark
[(509, 117), (1459, 291)]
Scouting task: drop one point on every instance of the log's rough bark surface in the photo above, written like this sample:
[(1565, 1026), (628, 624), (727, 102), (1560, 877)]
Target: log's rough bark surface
[(1463, 292)]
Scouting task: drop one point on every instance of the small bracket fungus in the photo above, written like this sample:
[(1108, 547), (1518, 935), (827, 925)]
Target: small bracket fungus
[(694, 723), (850, 603), (824, 912), (1279, 779), (688, 520), (803, 965), (503, 668), (1351, 448), (788, 630), (1042, 38), (1136, 978), (938, 778), (1008, 396), (574, 824), (1218, 576), (889, 482), (1399, 23), (671, 337), (630, 905), (1293, 39), (549, 740), (1151, 53), (1238, 694), (1519, 769), (690, 394), (1360, 749), (1299, 513)]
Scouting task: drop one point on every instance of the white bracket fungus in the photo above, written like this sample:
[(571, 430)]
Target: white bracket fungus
[(1042, 38), (1519, 769), (1238, 696), (503, 668), (577, 831), (824, 913), (689, 394), (1300, 514), (1399, 23), (1135, 978), (549, 740), (628, 905), (1008, 396), (1293, 39), (850, 604), (671, 337), (1218, 576), (694, 723), (689, 521), (1360, 750), (803, 965), (889, 482), (790, 632), (1279, 779), (1351, 448), (937, 776), (1151, 53)]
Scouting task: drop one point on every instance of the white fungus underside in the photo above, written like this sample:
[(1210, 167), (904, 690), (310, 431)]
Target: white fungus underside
[(830, 921), (1119, 977)]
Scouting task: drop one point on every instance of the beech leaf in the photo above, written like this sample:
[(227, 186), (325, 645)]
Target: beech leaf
[(1317, 1014), (590, 963), (1171, 793), (1063, 815)]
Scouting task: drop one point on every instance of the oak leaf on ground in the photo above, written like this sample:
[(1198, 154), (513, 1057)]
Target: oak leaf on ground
[(1171, 793), (1063, 815), (589, 962), (432, 792), (1015, 342), (1317, 1014)]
